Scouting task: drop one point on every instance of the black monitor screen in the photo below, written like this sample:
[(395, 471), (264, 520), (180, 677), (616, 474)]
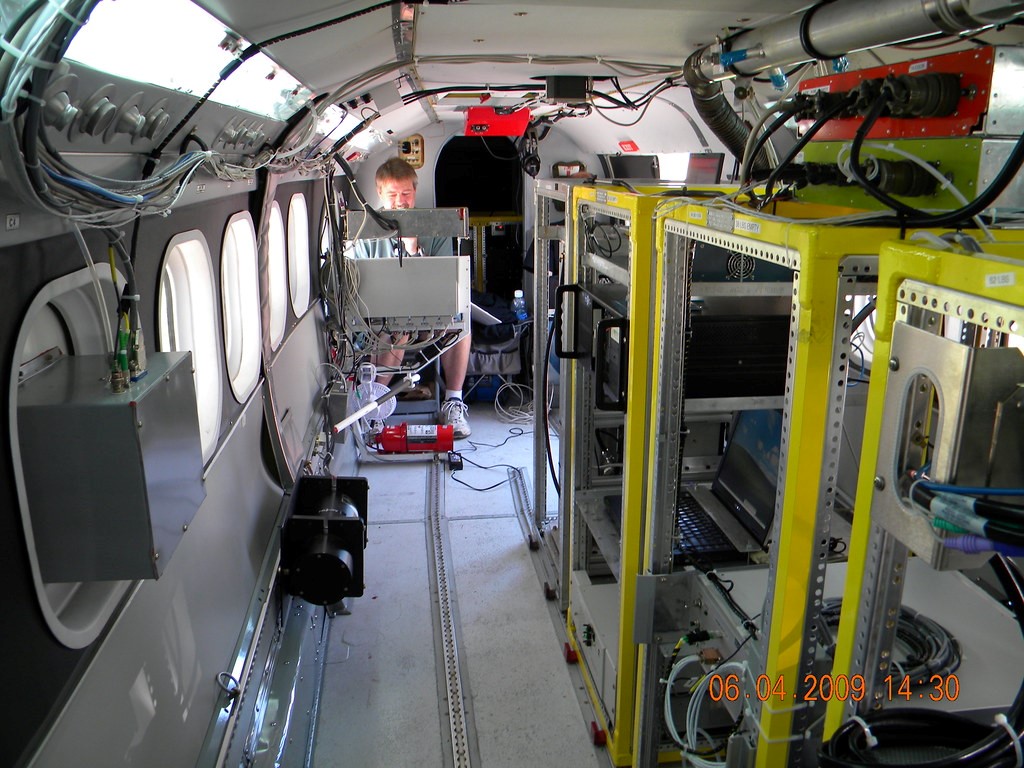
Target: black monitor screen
[(631, 166), (748, 475), (705, 168)]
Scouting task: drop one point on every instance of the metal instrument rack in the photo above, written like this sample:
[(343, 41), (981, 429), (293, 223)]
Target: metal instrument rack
[(922, 292), (554, 226), (832, 271), (609, 279), (831, 267)]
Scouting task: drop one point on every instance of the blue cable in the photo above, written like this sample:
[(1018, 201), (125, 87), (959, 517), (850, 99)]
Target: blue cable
[(92, 188), (971, 490)]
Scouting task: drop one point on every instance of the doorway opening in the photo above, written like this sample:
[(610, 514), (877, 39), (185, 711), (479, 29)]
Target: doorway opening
[(482, 173)]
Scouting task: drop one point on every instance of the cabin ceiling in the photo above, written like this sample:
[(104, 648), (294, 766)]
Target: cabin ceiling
[(471, 44), (389, 49), (660, 32)]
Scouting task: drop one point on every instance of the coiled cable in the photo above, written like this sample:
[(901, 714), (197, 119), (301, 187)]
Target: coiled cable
[(903, 736)]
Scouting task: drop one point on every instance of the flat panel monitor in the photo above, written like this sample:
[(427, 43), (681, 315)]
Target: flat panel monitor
[(748, 475), (631, 166), (705, 168)]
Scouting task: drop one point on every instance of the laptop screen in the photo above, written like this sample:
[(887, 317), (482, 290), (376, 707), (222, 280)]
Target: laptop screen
[(705, 167), (748, 474)]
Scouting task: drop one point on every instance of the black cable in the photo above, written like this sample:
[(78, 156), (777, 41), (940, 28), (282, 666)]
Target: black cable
[(1000, 511), (481, 466), (805, 32), (547, 425), (344, 140), (966, 744), (1003, 522), (831, 112), (932, 650), (957, 217), (748, 622), (483, 140), (412, 96), (768, 132), (863, 315), (373, 213), (877, 107), (193, 138), (512, 432)]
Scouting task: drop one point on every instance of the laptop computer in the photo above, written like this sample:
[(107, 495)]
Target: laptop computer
[(730, 520), (482, 316)]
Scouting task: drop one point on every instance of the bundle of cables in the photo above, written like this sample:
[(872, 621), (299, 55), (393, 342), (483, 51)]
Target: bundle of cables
[(932, 739), (699, 747), (906, 215), (984, 524), (927, 647)]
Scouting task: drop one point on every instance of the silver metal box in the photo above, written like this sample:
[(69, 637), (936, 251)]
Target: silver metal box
[(413, 294), (112, 480), (972, 444), (412, 222)]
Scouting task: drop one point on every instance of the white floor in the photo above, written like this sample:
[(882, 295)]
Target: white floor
[(384, 696)]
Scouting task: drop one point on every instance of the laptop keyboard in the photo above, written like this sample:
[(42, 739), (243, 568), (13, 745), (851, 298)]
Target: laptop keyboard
[(697, 534)]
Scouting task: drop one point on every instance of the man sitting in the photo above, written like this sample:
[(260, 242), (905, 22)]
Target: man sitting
[(396, 188)]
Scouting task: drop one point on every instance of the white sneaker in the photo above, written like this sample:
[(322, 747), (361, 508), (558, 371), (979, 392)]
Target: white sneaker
[(454, 412)]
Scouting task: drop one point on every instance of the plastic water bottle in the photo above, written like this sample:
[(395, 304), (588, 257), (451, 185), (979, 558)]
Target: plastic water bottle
[(519, 307)]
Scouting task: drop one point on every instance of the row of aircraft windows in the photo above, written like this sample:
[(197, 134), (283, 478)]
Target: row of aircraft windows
[(187, 304), (66, 314)]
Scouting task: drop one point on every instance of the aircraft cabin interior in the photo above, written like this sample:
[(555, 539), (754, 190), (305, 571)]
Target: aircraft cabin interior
[(490, 384)]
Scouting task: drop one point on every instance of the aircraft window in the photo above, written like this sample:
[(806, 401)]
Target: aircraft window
[(277, 277), (298, 254), (239, 275), (187, 318), (48, 331)]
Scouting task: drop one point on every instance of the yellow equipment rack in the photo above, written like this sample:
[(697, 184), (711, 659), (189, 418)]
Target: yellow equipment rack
[(919, 286)]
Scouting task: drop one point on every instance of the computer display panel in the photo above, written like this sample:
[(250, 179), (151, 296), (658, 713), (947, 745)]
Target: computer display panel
[(631, 166), (705, 168), (748, 475)]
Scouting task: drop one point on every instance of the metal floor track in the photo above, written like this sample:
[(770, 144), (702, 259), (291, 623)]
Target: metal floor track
[(462, 732)]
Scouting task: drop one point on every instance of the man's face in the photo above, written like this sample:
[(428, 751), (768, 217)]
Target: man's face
[(397, 194)]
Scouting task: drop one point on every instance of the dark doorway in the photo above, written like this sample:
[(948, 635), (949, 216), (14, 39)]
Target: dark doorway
[(482, 173)]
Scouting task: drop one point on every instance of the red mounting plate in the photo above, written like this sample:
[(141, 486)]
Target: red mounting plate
[(974, 68)]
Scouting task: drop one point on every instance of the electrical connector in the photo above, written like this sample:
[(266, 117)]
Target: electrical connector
[(454, 461), (697, 636), (137, 355)]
